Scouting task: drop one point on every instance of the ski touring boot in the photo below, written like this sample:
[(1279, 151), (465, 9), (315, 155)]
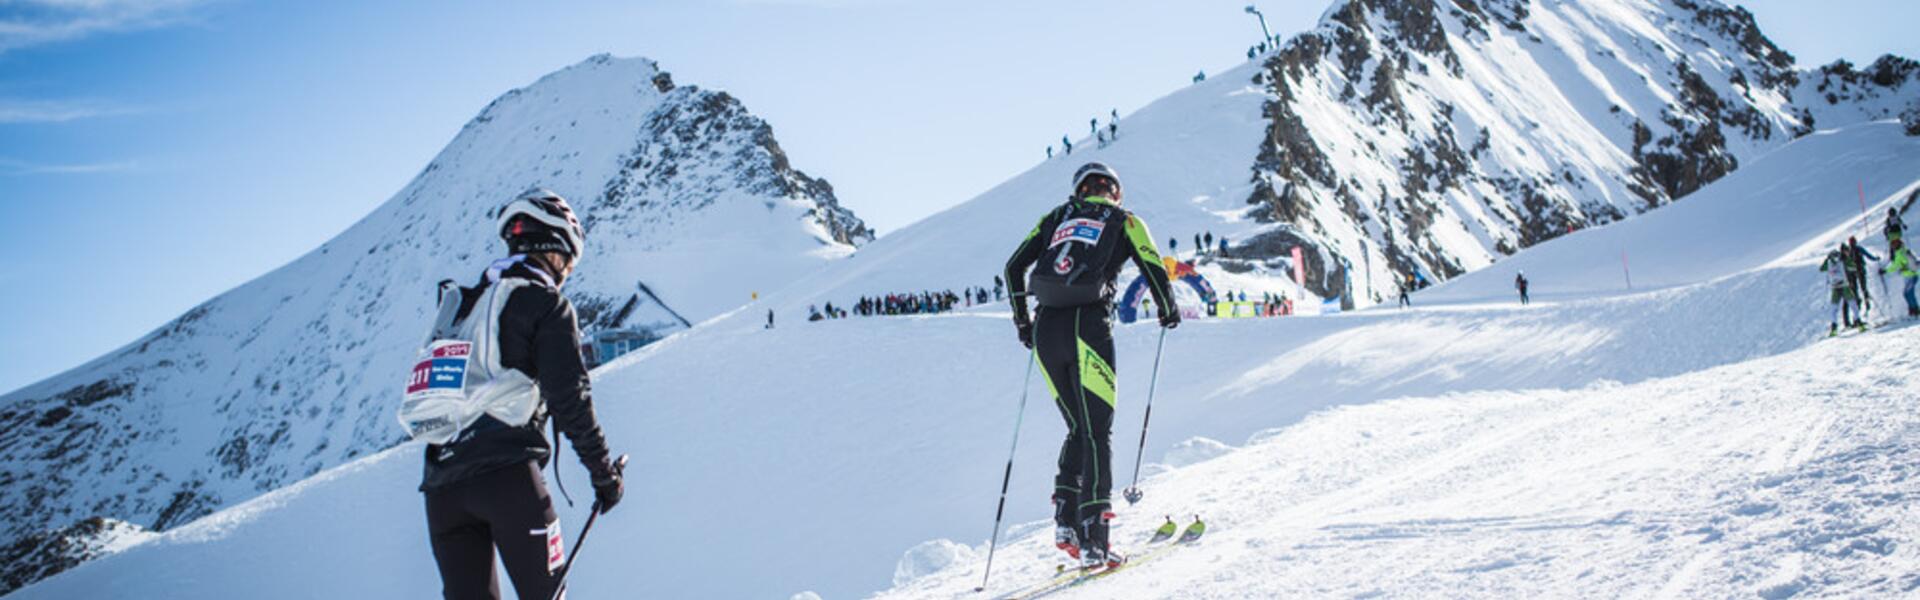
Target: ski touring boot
[(1066, 536), (1094, 551), (1067, 540), (1100, 558)]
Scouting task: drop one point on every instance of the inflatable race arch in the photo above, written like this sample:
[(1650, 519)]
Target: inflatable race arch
[(1178, 271)]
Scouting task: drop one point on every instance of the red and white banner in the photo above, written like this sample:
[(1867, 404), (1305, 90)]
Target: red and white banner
[(1299, 268)]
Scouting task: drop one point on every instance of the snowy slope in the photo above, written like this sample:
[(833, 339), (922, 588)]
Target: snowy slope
[(1590, 112), (1436, 136), (1584, 446), (1787, 476), (823, 451), (293, 373)]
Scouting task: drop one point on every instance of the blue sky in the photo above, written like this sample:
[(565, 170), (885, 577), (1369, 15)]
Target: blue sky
[(154, 153)]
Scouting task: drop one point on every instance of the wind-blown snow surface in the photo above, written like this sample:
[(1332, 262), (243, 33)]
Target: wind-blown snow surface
[(295, 371), (819, 453)]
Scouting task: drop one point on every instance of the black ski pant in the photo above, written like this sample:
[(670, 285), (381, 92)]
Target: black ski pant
[(1858, 281), (506, 509), (1075, 349)]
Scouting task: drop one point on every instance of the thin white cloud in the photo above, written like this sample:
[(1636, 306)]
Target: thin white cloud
[(19, 168), (14, 110), (25, 23)]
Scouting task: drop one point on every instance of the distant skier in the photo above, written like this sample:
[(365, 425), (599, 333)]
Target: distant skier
[(1200, 76), (1520, 283), (1173, 246), (1198, 248), (1093, 126), (1067, 143), (1857, 257), (1406, 285), (769, 318), (1842, 295), (1209, 240), (1895, 228), (510, 346), (1902, 263), (1049, 152), (1083, 243), (1223, 247)]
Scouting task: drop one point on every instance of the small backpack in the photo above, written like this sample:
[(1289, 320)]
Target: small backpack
[(457, 376), (1078, 250)]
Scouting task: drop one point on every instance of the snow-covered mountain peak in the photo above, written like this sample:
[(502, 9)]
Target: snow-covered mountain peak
[(293, 372)]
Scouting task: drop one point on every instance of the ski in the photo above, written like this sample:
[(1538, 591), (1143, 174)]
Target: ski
[(1074, 576)]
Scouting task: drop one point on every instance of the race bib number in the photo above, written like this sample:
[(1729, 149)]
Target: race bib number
[(556, 548), (442, 369), (1085, 231)]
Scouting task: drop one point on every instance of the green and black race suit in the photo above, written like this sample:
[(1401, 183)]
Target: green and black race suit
[(1085, 243)]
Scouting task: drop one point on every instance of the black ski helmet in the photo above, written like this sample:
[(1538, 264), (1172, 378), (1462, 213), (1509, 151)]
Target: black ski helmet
[(540, 221), (1095, 169)]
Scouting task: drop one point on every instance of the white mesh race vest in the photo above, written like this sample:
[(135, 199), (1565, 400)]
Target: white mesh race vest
[(458, 376)]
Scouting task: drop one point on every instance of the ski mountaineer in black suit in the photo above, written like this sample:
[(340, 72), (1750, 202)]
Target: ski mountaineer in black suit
[(1081, 246), (484, 489)]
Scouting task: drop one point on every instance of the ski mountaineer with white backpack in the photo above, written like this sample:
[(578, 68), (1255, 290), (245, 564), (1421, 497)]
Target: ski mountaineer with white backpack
[(502, 358), (1084, 243), (1842, 295)]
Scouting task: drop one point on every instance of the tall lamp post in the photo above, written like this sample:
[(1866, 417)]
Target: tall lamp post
[(1266, 36)]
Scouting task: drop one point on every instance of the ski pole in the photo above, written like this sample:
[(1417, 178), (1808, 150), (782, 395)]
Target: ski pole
[(560, 579), (1007, 477), (1133, 493)]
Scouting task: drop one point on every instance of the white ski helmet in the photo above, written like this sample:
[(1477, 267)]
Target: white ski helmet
[(1095, 168), (540, 221)]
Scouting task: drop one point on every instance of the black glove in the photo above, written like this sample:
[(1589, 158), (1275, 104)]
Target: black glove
[(609, 483), (1170, 319), (1025, 331), (607, 490)]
